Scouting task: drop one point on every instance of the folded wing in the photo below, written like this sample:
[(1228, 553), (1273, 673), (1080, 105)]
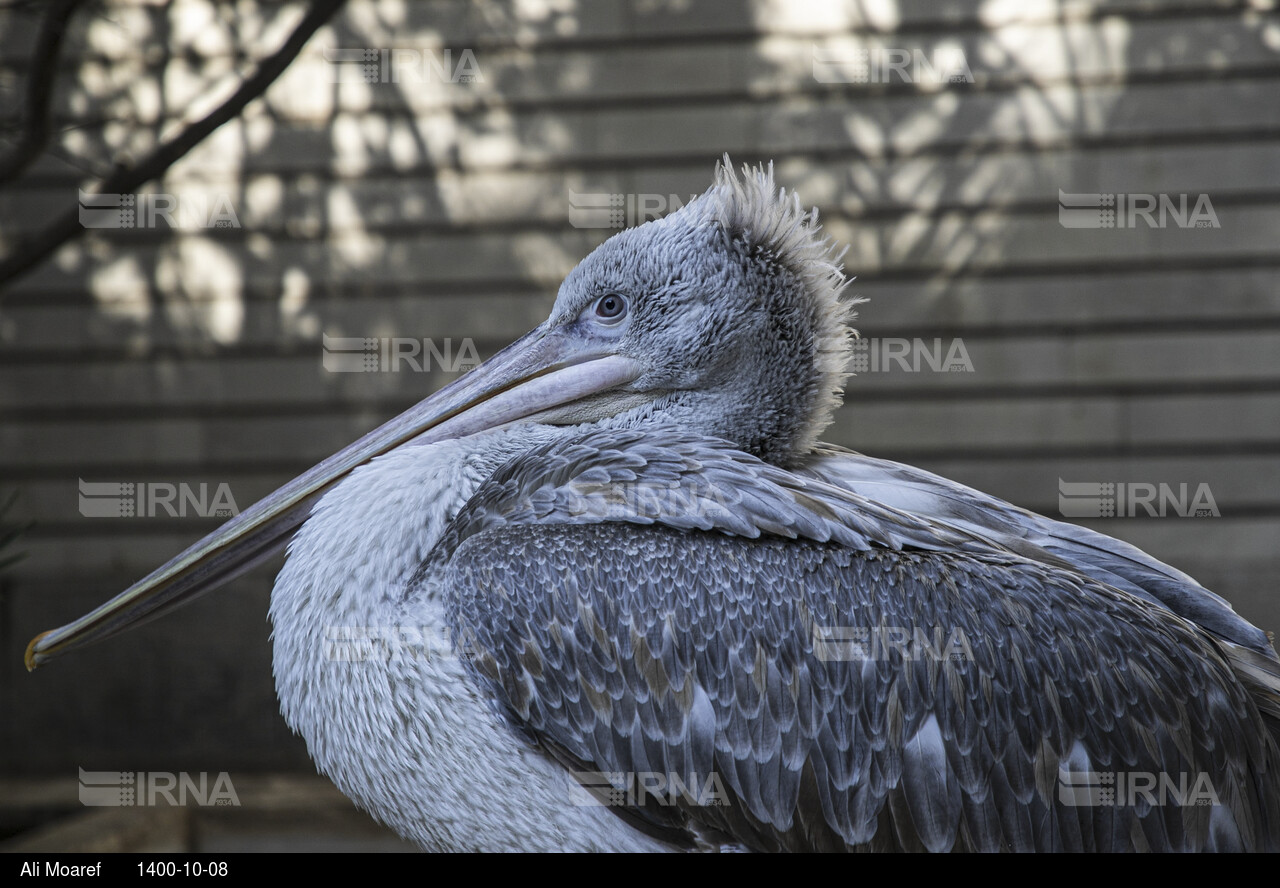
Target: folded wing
[(771, 661)]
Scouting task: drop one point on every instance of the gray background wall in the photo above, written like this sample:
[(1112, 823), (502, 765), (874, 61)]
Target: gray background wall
[(442, 210)]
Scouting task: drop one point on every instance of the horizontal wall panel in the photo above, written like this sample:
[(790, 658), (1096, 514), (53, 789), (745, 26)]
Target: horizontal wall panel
[(303, 205), (408, 367)]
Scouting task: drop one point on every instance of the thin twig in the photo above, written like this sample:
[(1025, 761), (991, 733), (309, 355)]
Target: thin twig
[(41, 76), (125, 180)]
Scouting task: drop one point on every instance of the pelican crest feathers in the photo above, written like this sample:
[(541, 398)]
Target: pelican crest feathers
[(770, 218)]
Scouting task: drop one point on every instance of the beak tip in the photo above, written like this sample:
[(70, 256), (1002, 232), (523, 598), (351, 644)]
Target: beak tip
[(31, 658)]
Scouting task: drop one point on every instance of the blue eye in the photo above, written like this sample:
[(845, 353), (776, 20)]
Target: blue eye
[(611, 308)]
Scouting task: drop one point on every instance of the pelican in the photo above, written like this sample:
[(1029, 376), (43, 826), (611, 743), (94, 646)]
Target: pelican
[(618, 548)]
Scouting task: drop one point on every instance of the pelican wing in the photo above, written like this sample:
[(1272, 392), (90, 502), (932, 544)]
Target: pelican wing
[(1102, 557), (807, 687), (1106, 559)]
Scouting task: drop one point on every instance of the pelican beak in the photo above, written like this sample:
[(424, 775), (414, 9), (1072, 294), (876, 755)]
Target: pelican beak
[(539, 376)]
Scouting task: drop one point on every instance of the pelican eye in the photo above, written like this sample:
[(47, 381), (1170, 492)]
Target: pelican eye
[(611, 308)]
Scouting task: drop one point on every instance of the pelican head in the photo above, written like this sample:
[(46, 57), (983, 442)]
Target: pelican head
[(724, 317), (731, 309)]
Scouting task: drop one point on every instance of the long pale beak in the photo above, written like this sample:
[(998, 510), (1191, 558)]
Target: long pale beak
[(541, 371)]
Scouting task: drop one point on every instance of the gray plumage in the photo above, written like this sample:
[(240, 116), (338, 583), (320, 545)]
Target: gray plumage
[(688, 649)]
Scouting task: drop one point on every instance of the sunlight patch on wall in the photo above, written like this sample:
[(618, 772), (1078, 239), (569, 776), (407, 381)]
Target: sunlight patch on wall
[(297, 317), (204, 287), (781, 16), (120, 288)]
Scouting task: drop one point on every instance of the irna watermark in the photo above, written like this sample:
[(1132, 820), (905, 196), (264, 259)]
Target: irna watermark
[(370, 644), (1121, 210), (892, 354), (397, 354), (1133, 499), (1094, 789), (886, 64), (116, 789), (601, 209), (631, 789), (402, 65), (903, 643), (687, 502), (150, 210), (151, 499)]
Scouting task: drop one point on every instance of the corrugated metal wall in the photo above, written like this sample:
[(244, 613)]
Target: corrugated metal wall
[(427, 208)]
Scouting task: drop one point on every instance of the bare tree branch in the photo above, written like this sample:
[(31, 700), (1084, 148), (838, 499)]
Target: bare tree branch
[(31, 251), (41, 76)]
